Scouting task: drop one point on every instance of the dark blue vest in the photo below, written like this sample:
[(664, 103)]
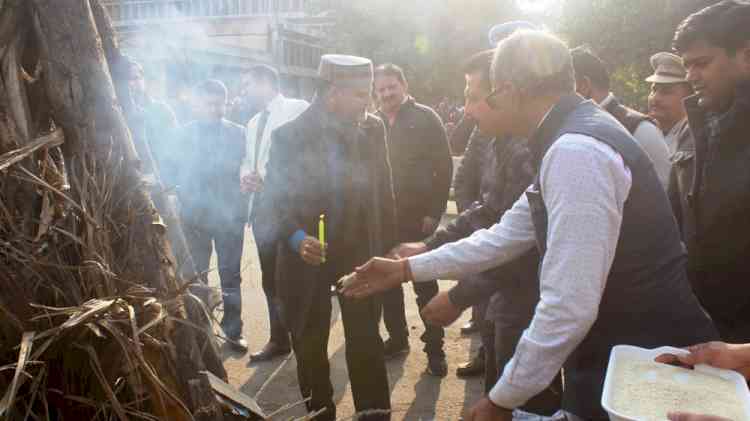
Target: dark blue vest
[(647, 300)]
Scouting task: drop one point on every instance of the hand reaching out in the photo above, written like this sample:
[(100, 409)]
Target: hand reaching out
[(375, 276)]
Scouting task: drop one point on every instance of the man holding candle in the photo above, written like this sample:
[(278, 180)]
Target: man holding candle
[(331, 164)]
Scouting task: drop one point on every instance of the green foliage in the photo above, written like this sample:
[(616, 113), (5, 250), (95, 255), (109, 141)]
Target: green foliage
[(428, 38), (625, 34), (431, 38)]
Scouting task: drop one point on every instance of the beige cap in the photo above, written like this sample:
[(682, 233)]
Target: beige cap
[(342, 70), (667, 69)]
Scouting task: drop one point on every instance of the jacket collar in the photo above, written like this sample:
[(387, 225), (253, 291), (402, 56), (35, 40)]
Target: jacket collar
[(544, 135), (698, 116)]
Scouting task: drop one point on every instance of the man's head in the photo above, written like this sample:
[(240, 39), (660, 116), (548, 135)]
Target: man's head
[(135, 76), (668, 88), (262, 83), (592, 78), (390, 87), (715, 47), (345, 85), (478, 86), (210, 101), (530, 71)]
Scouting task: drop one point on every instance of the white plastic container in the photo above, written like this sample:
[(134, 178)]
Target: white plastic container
[(632, 352)]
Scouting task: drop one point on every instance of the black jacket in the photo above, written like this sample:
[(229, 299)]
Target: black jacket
[(422, 166), (462, 135), (309, 161), (208, 174), (714, 210), (468, 179), (506, 171)]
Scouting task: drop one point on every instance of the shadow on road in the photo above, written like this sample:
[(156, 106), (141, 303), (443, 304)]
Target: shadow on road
[(427, 390)]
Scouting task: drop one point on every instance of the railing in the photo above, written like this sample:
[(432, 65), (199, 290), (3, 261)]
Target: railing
[(123, 11)]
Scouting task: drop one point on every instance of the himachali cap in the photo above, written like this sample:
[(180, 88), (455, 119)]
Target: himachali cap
[(667, 69), (346, 71), (503, 30)]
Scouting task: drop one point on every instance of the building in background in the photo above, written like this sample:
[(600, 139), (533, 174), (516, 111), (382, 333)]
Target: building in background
[(180, 42)]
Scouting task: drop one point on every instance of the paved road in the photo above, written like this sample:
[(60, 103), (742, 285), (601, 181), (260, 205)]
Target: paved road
[(414, 394)]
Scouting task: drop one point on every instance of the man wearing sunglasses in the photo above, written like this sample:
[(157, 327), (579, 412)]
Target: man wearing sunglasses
[(612, 264)]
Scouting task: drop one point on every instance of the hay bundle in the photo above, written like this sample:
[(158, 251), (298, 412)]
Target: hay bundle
[(94, 323)]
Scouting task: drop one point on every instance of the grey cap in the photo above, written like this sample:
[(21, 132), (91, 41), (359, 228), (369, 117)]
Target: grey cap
[(667, 69), (343, 70), (503, 30)]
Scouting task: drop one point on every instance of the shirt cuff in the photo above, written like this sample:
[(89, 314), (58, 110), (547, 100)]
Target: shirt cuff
[(296, 239), (505, 395), (422, 268)]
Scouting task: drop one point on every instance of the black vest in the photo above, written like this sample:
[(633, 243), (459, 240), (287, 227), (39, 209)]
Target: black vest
[(628, 117), (647, 300)]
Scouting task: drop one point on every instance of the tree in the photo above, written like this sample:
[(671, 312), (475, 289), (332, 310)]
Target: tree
[(625, 35), (429, 38)]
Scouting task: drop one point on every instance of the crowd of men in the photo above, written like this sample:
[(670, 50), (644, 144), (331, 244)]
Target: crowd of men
[(583, 224)]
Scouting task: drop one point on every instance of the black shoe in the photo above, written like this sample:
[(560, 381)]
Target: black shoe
[(473, 368), (394, 349), (270, 351), (238, 343), (437, 366), (470, 327)]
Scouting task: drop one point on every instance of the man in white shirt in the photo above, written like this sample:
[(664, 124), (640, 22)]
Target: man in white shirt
[(276, 110), (613, 266), (592, 82)]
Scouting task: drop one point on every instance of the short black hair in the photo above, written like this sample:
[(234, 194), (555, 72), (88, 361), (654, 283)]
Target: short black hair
[(481, 63), (211, 87), (390, 69), (725, 24), (587, 64), (266, 73)]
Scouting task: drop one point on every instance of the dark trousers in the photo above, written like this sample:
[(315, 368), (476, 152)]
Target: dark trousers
[(394, 316), (364, 356), (487, 336), (394, 311), (507, 335), (267, 257), (228, 243)]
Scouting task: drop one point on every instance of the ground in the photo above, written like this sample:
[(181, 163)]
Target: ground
[(414, 394)]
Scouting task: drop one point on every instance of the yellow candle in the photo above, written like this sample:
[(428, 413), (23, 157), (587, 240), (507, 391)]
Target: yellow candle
[(322, 234)]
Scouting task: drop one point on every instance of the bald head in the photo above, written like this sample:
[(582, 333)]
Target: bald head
[(535, 62)]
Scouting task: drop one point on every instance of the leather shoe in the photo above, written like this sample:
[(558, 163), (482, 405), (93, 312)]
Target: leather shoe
[(470, 327), (237, 343), (473, 368), (269, 352)]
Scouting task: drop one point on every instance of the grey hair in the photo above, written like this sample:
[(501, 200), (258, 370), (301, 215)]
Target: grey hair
[(534, 61)]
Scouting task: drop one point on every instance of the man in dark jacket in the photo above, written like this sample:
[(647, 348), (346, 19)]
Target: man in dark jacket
[(153, 123), (213, 209), (422, 167), (715, 47), (332, 161)]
